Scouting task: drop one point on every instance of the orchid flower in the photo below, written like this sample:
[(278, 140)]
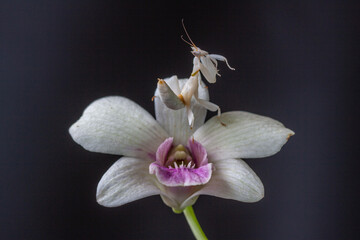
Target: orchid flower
[(165, 157)]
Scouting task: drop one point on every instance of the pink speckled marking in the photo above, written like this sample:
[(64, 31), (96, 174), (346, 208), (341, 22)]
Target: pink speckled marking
[(182, 175)]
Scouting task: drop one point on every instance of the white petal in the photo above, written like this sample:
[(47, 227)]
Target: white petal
[(127, 180), (175, 122), (233, 179), (178, 197), (117, 125), (243, 135)]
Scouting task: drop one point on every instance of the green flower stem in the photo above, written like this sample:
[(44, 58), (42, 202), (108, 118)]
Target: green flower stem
[(194, 224)]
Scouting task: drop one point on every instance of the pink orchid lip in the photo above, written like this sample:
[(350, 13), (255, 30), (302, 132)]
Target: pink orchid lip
[(181, 168)]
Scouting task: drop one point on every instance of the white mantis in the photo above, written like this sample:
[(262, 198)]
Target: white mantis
[(206, 64)]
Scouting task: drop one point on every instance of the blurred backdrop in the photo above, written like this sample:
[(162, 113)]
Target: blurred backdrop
[(296, 61)]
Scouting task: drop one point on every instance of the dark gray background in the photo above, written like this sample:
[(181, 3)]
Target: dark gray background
[(296, 61)]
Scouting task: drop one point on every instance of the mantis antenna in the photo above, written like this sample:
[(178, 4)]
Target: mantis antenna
[(191, 43)]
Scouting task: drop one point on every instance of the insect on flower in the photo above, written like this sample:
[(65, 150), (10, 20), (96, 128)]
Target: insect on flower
[(179, 98), (207, 62)]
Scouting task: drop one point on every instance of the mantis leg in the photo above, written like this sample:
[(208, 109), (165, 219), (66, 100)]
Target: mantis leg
[(168, 97), (208, 105), (190, 116)]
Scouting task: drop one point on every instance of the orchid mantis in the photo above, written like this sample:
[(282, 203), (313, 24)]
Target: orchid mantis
[(206, 64)]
